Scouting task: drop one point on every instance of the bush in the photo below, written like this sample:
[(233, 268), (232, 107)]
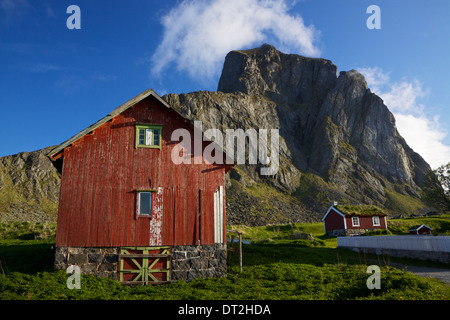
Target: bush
[(378, 233), (27, 230)]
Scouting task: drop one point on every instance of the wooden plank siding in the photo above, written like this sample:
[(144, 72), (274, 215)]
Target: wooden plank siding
[(103, 169), (334, 221), (365, 222)]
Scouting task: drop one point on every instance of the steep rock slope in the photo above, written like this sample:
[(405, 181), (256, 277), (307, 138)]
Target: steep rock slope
[(29, 187), (338, 141)]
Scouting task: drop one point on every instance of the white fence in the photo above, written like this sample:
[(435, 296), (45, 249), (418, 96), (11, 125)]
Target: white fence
[(413, 242)]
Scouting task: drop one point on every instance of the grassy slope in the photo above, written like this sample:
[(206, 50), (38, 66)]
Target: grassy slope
[(440, 224)]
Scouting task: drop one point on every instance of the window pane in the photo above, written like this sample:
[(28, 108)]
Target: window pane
[(141, 136), (149, 136), (145, 202), (156, 137), (376, 221)]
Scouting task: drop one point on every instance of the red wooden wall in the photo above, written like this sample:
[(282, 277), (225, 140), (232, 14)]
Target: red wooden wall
[(103, 169), (365, 222), (334, 221)]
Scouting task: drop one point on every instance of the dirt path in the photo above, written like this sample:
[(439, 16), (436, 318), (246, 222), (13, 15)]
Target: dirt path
[(426, 272), (441, 274)]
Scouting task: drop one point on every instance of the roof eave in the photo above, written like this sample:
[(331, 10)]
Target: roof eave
[(105, 119), (54, 152)]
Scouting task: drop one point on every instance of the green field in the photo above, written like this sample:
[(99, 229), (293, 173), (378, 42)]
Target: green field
[(281, 264)]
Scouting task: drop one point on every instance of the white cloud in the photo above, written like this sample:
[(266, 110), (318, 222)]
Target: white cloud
[(423, 133), (44, 68), (198, 34)]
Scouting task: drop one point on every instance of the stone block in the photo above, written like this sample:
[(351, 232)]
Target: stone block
[(77, 259), (95, 257)]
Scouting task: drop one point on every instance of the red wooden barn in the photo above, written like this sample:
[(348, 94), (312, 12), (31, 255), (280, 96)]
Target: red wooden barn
[(353, 220), (420, 229), (128, 211)]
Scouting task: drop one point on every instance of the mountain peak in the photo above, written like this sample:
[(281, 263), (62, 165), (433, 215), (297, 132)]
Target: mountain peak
[(331, 127), (286, 78)]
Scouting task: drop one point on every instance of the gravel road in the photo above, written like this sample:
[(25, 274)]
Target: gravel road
[(441, 274)]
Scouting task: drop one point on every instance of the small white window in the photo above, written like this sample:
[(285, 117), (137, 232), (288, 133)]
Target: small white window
[(144, 203), (355, 221), (376, 221)]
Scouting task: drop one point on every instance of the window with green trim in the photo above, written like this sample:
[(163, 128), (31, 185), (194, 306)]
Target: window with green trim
[(148, 136)]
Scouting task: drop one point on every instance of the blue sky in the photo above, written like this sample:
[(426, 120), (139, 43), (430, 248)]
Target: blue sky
[(54, 82)]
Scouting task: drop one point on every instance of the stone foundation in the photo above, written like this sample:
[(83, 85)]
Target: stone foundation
[(101, 262), (188, 262), (349, 232), (204, 261)]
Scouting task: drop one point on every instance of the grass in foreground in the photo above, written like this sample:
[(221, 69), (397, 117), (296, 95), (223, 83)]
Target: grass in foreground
[(270, 272), (266, 282), (282, 265)]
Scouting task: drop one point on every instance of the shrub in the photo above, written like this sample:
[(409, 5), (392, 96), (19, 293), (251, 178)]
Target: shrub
[(378, 232)]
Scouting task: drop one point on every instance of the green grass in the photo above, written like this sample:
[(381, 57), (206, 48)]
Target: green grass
[(439, 223), (300, 232), (24, 230), (279, 267), (396, 202), (270, 272)]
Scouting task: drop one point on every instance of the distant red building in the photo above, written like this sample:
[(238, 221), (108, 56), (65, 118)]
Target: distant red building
[(353, 220), (420, 229), (126, 209)]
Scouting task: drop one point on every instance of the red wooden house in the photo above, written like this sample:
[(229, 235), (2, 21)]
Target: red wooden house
[(353, 220), (420, 229), (127, 211)]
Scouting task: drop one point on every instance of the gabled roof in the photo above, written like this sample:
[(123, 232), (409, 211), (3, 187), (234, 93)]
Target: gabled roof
[(111, 115), (417, 227), (116, 112), (335, 210)]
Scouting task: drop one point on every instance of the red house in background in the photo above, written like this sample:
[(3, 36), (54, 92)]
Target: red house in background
[(420, 229), (127, 211), (353, 220)]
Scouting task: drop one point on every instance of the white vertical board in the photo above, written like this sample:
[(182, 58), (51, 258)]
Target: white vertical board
[(149, 137), (218, 215)]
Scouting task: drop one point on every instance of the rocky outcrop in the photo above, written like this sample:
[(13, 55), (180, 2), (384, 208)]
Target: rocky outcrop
[(29, 187), (338, 142), (336, 136)]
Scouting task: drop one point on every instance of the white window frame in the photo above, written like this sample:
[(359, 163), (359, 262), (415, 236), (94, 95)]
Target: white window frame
[(374, 219), (357, 222), (138, 203)]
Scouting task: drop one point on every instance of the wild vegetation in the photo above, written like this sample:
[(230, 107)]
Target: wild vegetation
[(294, 261), (439, 223)]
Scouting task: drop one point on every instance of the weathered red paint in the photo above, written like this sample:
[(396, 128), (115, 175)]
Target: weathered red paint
[(102, 171)]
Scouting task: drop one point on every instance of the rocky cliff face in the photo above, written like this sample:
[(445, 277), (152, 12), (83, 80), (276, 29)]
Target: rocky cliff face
[(338, 141), (29, 187)]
